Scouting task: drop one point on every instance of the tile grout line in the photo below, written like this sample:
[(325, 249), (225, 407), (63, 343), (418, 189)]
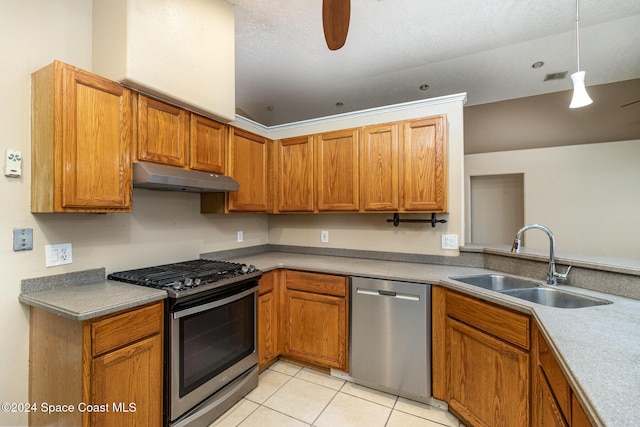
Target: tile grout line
[(336, 393)]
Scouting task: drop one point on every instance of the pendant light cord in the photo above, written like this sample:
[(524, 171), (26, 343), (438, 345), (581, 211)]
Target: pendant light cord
[(578, 32)]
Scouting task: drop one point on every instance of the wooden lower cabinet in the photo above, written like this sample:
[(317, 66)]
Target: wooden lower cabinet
[(555, 403), (268, 306), (489, 378), (481, 361), (547, 411), (315, 320), (493, 366), (109, 369), (304, 317)]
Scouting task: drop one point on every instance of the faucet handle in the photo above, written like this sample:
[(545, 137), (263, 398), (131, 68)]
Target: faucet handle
[(562, 276)]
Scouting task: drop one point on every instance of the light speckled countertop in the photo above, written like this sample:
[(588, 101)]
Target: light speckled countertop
[(86, 301), (598, 347)]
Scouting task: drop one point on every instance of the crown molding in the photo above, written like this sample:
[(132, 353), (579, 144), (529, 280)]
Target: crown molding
[(265, 130)]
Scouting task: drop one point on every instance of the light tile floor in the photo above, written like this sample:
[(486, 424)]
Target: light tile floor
[(288, 395)]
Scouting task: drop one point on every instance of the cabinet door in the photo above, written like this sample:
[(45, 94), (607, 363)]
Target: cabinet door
[(267, 319), (163, 132), (547, 411), (81, 142), (488, 379), (249, 165), (554, 377), (578, 415), (315, 328), (379, 168), (129, 382), (208, 141), (424, 168), (96, 142), (337, 171), (294, 171)]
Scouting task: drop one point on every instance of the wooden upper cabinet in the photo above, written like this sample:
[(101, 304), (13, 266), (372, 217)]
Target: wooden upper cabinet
[(81, 142), (208, 141), (379, 168), (424, 165), (336, 158), (163, 132), (294, 174), (249, 157)]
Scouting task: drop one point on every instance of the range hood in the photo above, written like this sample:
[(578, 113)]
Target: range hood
[(166, 178)]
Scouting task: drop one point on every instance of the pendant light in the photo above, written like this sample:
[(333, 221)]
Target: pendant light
[(580, 96)]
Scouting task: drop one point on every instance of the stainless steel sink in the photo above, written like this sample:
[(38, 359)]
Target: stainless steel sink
[(496, 282), (555, 298)]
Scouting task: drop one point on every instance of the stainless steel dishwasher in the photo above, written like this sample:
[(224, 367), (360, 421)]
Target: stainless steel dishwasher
[(391, 336)]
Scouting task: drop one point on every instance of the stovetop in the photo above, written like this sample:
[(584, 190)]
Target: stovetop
[(188, 277)]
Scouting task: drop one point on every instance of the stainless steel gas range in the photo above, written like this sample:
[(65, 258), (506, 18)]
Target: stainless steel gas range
[(210, 335)]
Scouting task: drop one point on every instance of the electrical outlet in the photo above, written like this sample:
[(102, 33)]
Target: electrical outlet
[(324, 236), (240, 237), (58, 254), (449, 241)]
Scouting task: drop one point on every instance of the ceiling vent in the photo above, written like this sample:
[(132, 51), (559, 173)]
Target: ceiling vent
[(555, 76)]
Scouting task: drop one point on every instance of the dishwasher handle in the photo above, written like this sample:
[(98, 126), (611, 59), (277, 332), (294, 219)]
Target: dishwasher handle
[(383, 293)]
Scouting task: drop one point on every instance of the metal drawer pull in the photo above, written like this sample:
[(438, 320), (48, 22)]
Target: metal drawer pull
[(382, 293)]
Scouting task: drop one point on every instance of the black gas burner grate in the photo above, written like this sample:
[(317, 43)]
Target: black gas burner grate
[(180, 275)]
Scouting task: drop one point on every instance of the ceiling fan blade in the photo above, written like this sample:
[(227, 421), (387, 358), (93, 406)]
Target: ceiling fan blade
[(335, 21)]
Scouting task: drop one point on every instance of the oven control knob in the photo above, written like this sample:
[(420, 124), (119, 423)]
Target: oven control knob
[(188, 282), (252, 268), (177, 285), (244, 269), (197, 282)]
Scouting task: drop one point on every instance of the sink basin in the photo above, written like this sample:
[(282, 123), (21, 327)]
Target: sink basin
[(554, 297), (496, 282)]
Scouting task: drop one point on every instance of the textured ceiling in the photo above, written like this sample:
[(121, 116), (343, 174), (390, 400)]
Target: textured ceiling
[(285, 73)]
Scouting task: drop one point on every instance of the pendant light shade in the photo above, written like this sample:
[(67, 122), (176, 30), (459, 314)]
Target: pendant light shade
[(580, 96)]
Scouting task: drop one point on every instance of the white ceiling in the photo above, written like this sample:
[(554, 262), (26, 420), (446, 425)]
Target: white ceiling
[(285, 73)]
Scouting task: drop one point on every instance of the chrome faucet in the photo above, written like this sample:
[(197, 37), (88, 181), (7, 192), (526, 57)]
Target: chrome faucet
[(552, 275)]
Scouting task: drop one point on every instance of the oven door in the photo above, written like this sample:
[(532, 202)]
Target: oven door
[(212, 343)]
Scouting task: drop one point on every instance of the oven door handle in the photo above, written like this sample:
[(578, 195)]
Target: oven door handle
[(214, 304)]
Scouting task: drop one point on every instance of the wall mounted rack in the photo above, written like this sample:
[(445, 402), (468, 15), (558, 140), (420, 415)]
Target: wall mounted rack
[(396, 220)]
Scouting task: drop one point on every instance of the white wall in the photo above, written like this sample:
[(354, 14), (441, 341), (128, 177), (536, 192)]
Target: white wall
[(164, 227), (588, 195)]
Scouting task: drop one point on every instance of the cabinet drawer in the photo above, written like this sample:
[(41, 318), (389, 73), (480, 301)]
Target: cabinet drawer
[(118, 330), (554, 375), (499, 322), (327, 284)]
